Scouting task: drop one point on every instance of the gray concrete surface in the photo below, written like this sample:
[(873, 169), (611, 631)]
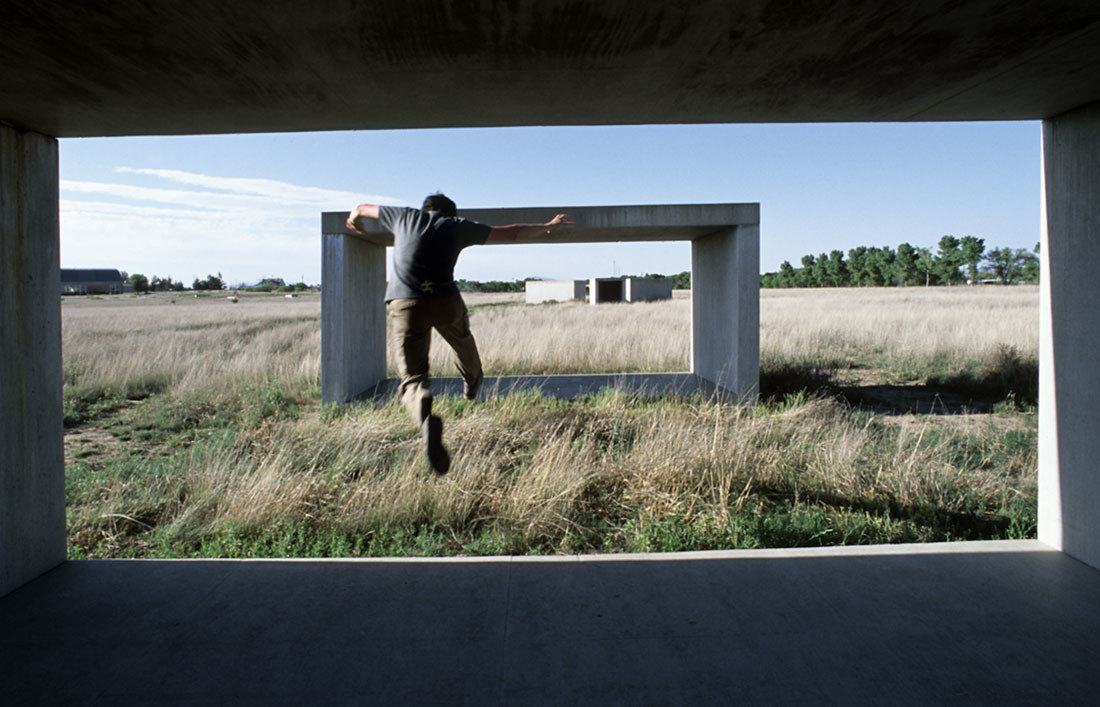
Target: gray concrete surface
[(353, 316), (637, 289), (32, 476), (725, 309), (1069, 341), (956, 624), (568, 386), (131, 67), (592, 224), (542, 291), (725, 315)]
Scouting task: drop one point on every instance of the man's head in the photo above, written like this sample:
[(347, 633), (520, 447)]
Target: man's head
[(440, 203)]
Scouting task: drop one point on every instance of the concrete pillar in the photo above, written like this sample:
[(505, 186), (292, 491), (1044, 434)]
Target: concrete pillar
[(1069, 336), (725, 309), (32, 473), (353, 317)]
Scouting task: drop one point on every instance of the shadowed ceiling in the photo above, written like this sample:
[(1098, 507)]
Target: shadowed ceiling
[(125, 67)]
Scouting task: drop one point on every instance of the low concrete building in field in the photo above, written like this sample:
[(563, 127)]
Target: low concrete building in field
[(91, 281), (539, 291)]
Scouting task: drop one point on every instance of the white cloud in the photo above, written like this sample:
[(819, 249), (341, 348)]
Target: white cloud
[(283, 192), (246, 228)]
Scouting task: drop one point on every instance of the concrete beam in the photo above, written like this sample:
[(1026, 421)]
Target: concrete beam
[(1069, 337), (353, 318), (32, 473), (725, 310), (593, 224)]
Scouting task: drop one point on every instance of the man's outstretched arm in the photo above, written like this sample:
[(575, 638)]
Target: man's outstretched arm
[(527, 231), (360, 212)]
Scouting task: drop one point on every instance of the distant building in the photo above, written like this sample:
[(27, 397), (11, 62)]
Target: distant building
[(80, 281), (539, 291), (628, 289), (599, 290)]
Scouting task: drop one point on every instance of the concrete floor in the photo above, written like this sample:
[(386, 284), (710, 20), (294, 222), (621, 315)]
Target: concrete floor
[(960, 623)]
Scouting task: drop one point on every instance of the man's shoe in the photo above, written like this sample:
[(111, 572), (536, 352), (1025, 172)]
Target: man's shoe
[(431, 431), (470, 391)]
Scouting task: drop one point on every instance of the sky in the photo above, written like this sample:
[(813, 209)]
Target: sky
[(248, 206)]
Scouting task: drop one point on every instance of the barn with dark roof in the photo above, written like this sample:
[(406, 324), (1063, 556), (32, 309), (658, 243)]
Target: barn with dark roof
[(91, 281)]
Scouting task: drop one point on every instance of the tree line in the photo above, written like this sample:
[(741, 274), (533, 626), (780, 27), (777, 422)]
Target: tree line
[(956, 260)]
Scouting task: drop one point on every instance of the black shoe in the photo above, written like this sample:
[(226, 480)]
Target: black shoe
[(470, 391), (431, 431)]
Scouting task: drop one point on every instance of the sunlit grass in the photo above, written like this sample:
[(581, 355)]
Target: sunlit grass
[(203, 434)]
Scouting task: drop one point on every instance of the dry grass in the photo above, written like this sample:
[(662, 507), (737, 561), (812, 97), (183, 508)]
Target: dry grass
[(899, 327), (229, 455), (195, 344)]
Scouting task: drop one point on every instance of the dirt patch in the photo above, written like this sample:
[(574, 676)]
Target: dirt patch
[(90, 445)]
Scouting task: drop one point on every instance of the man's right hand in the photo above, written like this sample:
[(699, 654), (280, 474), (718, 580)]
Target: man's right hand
[(361, 211)]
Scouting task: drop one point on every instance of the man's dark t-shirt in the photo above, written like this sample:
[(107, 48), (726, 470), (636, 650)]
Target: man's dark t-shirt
[(425, 249)]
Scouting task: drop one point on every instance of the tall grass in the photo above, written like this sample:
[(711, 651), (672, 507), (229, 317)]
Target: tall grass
[(220, 447)]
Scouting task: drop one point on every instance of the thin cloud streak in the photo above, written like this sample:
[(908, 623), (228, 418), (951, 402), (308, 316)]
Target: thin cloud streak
[(269, 188)]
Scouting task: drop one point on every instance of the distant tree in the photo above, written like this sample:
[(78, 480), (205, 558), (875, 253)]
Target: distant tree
[(211, 282), (948, 260), (856, 259), (1008, 264), (820, 271), (1031, 269), (971, 250), (905, 264), (806, 273), (926, 264), (872, 275), (139, 281), (836, 270), (883, 262), (166, 284), (788, 276)]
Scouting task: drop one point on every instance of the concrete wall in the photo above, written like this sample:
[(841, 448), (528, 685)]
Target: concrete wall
[(353, 320), (1069, 337), (32, 474), (725, 309), (539, 291), (636, 289)]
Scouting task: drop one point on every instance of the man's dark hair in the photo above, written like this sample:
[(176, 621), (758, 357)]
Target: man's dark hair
[(440, 203)]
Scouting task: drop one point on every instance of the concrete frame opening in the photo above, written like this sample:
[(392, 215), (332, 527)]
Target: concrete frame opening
[(608, 291), (725, 301)]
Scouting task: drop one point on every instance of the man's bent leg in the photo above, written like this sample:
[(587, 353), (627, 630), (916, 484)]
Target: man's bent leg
[(454, 326), (413, 334)]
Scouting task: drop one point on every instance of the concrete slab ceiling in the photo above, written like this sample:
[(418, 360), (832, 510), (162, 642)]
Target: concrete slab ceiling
[(126, 67)]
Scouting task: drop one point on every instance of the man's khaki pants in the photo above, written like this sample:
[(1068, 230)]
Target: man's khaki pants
[(412, 321)]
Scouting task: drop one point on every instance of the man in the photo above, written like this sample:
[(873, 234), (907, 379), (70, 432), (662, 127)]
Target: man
[(423, 296)]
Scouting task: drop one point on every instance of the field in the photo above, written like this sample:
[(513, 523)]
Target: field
[(194, 428)]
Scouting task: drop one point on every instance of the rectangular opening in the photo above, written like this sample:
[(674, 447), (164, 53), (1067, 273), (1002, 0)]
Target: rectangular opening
[(609, 291)]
